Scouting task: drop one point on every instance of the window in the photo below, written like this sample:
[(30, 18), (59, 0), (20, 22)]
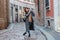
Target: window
[(47, 4), (16, 9)]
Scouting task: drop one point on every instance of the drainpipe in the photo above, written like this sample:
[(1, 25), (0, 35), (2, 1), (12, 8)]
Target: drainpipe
[(45, 23)]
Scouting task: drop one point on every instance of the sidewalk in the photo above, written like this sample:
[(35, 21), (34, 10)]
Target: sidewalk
[(8, 29), (50, 34), (55, 34), (15, 32)]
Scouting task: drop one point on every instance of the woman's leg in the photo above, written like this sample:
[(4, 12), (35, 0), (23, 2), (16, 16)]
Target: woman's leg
[(29, 33), (26, 28)]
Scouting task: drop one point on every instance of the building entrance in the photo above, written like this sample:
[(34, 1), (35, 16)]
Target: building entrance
[(16, 13)]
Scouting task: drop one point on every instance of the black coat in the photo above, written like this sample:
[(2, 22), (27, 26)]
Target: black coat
[(31, 25)]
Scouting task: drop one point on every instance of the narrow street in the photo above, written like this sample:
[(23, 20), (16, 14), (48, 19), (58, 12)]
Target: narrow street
[(16, 33), (41, 15)]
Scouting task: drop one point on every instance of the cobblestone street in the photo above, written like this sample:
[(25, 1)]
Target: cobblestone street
[(16, 33), (38, 19)]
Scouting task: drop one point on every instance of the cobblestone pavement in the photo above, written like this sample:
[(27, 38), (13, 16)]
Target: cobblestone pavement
[(16, 33)]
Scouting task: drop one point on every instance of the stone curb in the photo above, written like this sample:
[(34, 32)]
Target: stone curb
[(6, 30), (46, 34)]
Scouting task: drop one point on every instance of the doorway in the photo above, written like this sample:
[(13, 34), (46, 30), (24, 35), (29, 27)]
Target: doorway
[(16, 13)]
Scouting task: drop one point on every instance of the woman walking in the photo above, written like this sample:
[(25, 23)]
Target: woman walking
[(26, 20)]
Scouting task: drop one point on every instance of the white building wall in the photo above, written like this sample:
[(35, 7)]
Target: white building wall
[(56, 15)]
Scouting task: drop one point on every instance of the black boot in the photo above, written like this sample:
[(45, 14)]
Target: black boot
[(29, 33), (24, 33)]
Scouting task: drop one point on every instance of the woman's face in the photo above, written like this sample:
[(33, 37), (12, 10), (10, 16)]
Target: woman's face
[(27, 10)]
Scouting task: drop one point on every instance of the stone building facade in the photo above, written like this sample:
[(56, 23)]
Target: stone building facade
[(41, 12), (4, 10), (49, 11)]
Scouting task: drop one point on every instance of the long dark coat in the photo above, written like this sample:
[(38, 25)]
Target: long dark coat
[(29, 25)]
